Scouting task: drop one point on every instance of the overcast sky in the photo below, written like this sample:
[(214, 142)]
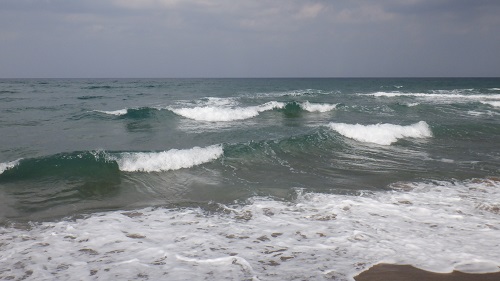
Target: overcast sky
[(249, 38)]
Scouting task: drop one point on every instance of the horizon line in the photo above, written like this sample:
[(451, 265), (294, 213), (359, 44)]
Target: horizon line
[(271, 77)]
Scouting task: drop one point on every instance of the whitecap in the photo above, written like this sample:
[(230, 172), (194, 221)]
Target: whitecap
[(118, 112), (492, 103), (438, 95), (383, 134), (317, 107), (224, 113), (8, 165), (173, 159)]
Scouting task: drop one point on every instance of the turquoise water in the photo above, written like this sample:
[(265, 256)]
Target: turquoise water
[(232, 151)]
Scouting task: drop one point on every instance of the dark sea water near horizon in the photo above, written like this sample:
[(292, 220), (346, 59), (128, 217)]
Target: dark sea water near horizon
[(247, 179)]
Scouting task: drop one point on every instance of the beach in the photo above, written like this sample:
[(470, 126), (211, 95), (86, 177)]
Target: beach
[(391, 272)]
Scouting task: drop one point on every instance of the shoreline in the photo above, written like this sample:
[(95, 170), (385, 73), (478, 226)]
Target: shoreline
[(394, 272)]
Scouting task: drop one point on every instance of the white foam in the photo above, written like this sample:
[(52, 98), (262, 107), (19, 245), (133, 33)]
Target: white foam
[(492, 103), (438, 95), (173, 159), (386, 94), (384, 134), (294, 93), (317, 107), (440, 226), (118, 112), (8, 165), (223, 113)]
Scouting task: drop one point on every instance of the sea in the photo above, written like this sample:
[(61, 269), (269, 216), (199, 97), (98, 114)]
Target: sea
[(247, 179)]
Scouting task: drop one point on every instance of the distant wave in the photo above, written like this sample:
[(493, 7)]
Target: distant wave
[(294, 93), (223, 113), (455, 95), (317, 107), (140, 112), (173, 159), (98, 87), (213, 109), (383, 134), (89, 97), (118, 112)]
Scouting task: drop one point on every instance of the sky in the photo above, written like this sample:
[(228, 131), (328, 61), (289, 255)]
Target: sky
[(249, 38)]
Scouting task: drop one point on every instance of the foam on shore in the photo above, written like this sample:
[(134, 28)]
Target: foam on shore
[(436, 226)]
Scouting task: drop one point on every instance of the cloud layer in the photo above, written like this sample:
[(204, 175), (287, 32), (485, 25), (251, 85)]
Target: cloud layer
[(248, 38)]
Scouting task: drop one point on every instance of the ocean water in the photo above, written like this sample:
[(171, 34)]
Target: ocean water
[(247, 179)]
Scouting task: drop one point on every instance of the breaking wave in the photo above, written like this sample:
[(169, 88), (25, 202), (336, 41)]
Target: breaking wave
[(95, 164), (8, 165), (492, 103), (383, 134), (118, 112), (223, 113), (317, 107), (454, 96), (173, 159)]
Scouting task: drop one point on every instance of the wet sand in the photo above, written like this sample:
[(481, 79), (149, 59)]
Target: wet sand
[(391, 272)]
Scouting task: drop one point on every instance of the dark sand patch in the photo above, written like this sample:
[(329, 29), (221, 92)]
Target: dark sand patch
[(392, 272)]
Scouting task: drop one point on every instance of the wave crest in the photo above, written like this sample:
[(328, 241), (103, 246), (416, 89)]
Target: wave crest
[(225, 114), (383, 134), (8, 165), (492, 103), (455, 95), (173, 159), (317, 107)]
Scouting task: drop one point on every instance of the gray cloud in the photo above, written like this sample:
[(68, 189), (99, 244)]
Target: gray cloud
[(213, 38)]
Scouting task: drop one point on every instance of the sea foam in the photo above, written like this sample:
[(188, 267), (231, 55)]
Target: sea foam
[(317, 107), (173, 159), (222, 110), (440, 226), (8, 165), (439, 95), (492, 103), (222, 113), (384, 134)]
